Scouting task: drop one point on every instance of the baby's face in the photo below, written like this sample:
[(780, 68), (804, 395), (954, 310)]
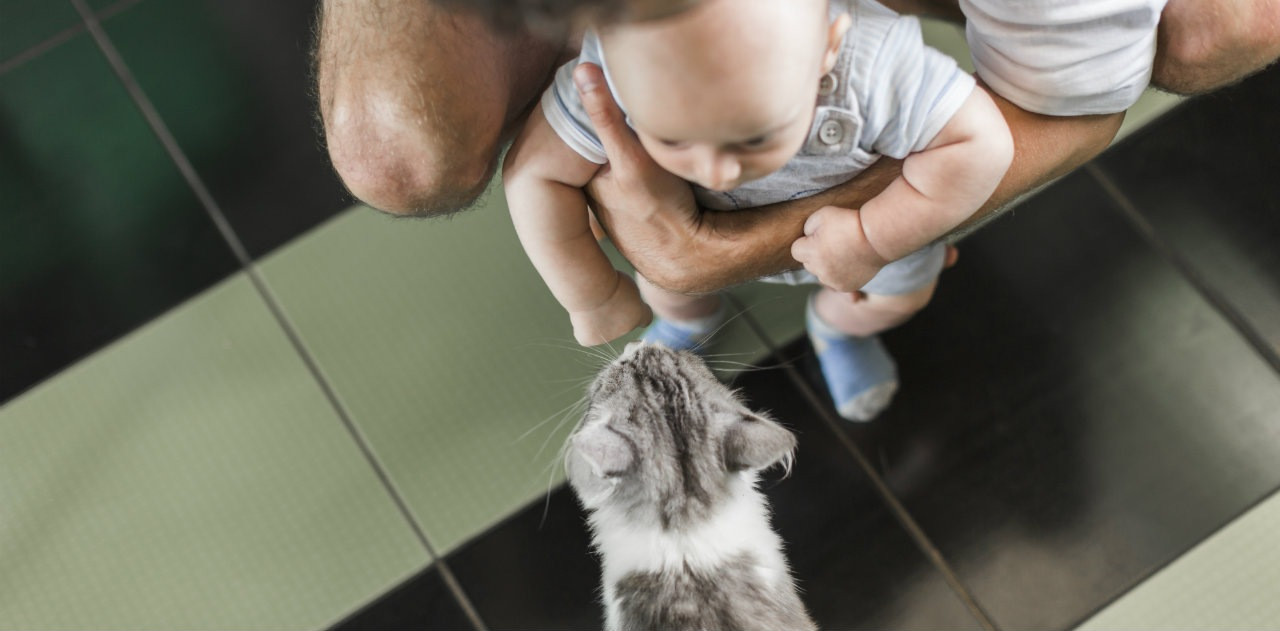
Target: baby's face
[(724, 93), (747, 138)]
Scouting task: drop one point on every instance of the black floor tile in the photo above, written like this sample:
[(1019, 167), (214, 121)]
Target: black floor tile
[(535, 570), (423, 602), (856, 565), (98, 231), (1205, 177), (1073, 415), (230, 79)]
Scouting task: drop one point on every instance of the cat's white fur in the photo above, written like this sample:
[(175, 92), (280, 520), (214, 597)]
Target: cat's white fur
[(741, 525)]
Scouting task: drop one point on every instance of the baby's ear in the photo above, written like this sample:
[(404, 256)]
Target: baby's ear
[(605, 451), (835, 36), (755, 442)]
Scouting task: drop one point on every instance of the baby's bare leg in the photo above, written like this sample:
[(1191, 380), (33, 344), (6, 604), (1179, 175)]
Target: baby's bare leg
[(869, 314), (670, 305), (417, 100), (861, 375), (683, 322)]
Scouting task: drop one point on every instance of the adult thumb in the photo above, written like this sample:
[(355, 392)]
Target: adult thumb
[(620, 144)]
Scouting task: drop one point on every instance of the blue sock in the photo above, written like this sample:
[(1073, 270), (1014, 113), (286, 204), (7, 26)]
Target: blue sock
[(685, 335), (861, 375)]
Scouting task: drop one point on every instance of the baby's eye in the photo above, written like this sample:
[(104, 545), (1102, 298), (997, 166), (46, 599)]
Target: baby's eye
[(670, 143), (751, 143)]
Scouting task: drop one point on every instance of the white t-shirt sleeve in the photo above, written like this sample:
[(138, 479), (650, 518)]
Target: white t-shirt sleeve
[(562, 106), (908, 91), (1064, 57)]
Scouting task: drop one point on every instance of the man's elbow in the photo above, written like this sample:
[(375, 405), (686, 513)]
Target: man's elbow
[(1203, 46)]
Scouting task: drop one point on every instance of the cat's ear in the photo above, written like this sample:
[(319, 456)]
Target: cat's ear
[(604, 450), (755, 442)]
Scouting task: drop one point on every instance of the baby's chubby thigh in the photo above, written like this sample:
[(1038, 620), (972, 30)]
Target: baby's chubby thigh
[(899, 292)]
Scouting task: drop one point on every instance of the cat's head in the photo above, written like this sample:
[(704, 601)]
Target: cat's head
[(663, 439)]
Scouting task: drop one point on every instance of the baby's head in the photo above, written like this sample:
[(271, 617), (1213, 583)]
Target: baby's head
[(724, 93)]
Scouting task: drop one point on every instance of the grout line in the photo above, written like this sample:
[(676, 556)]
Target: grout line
[(41, 48), (250, 269), (1215, 298), (115, 9), (60, 38), (900, 512), (1142, 579)]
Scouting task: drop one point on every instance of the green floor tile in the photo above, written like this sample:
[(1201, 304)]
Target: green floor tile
[(447, 349), (190, 476), (1229, 581), (947, 37), (451, 355), (26, 23), (1150, 106)]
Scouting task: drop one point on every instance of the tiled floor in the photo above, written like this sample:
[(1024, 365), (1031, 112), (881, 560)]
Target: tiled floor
[(315, 417)]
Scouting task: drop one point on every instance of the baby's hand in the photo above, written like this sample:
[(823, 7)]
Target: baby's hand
[(835, 249), (613, 318)]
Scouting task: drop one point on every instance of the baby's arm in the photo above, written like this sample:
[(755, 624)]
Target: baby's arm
[(543, 179), (939, 188)]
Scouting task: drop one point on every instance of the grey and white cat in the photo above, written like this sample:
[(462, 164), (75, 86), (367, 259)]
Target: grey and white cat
[(665, 462)]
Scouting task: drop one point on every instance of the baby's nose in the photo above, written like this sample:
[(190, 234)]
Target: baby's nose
[(722, 172)]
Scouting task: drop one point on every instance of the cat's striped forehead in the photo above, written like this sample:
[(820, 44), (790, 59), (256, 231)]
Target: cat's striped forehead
[(649, 383), (673, 413)]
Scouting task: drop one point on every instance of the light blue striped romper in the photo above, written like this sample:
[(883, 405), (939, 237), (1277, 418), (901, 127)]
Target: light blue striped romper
[(888, 94)]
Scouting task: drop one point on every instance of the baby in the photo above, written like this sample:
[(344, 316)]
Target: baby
[(752, 121)]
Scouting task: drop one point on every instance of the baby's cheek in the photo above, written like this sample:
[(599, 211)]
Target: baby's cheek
[(674, 164)]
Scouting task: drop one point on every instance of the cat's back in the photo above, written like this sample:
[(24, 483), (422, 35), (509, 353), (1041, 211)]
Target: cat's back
[(736, 595)]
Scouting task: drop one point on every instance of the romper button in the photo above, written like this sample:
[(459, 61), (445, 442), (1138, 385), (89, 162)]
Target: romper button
[(830, 132), (827, 86)]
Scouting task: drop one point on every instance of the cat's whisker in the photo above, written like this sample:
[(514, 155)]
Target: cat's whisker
[(559, 344), (553, 342), (756, 367), (558, 413), (575, 382), (742, 311), (546, 501), (717, 355), (604, 355), (613, 352), (572, 411), (561, 454), (740, 367)]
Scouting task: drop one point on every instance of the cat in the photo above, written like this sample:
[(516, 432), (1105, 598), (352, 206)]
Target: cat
[(665, 463)]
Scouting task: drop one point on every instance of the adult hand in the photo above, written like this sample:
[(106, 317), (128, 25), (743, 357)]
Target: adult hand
[(650, 214)]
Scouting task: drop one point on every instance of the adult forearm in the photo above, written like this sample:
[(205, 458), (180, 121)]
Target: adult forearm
[(728, 248), (1045, 148)]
